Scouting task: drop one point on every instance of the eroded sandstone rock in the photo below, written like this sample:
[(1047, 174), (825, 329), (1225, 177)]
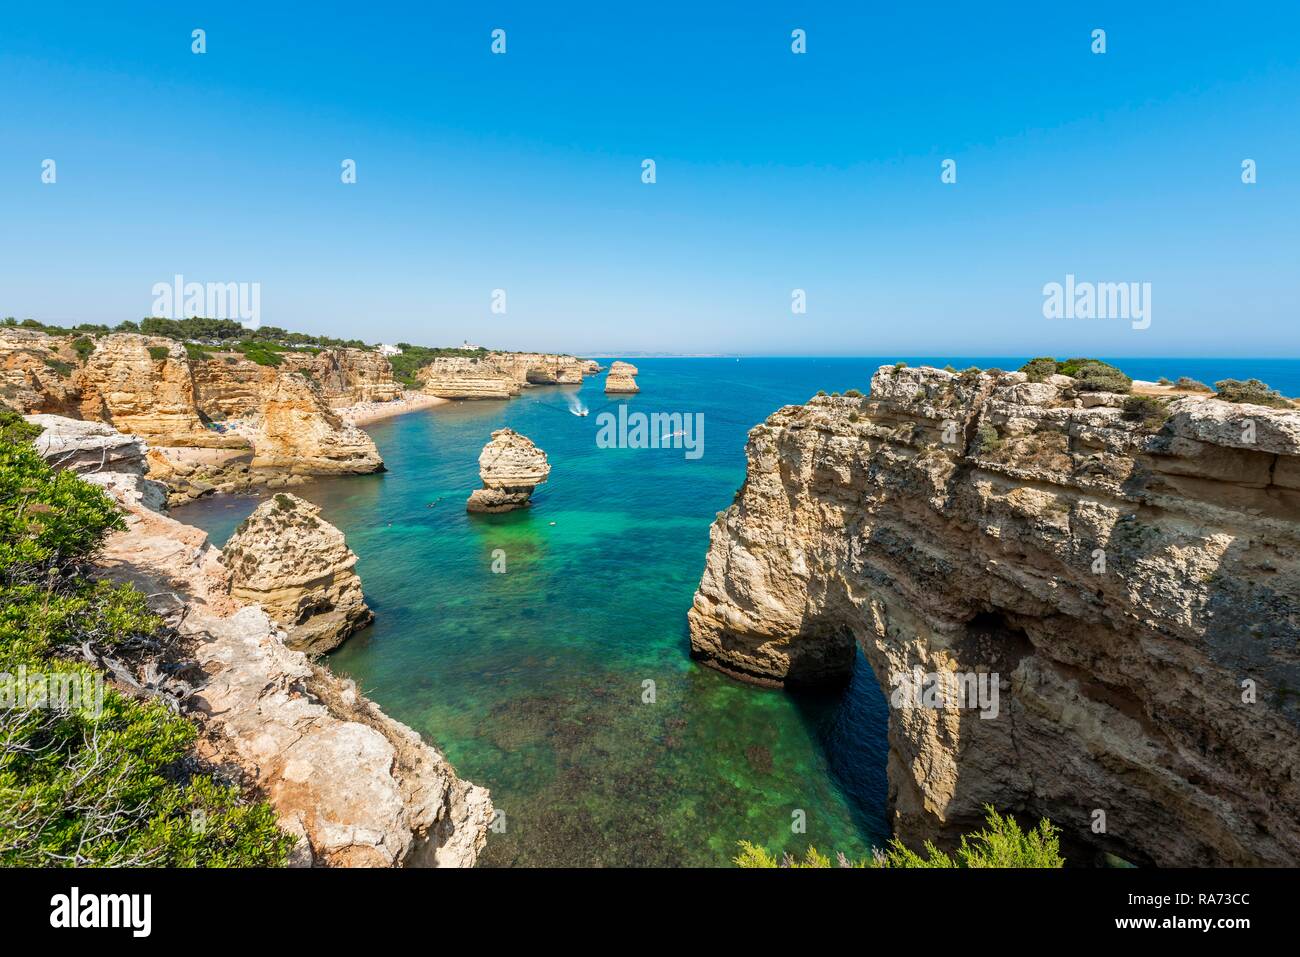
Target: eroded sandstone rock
[(347, 376), (297, 566), (511, 466), (358, 788), (463, 377), (621, 378), (1126, 583), (296, 432), (538, 368), (142, 385), (101, 455)]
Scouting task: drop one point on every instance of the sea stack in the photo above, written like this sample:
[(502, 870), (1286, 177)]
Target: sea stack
[(511, 466), (299, 569), (621, 378)]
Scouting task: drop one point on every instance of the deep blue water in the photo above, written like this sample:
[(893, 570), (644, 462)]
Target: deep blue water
[(533, 680)]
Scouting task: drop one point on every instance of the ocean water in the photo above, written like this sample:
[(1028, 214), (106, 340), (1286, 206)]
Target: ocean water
[(533, 680)]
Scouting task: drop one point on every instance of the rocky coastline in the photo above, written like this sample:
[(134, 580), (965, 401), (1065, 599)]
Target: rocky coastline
[(1131, 584), (355, 787), (216, 421)]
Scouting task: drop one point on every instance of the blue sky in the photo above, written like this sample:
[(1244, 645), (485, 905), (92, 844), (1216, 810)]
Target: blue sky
[(775, 171)]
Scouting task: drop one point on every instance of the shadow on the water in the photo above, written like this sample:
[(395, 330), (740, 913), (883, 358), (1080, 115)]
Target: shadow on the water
[(850, 725)]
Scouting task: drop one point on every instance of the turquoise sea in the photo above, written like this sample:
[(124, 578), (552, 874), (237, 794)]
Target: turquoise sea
[(533, 680)]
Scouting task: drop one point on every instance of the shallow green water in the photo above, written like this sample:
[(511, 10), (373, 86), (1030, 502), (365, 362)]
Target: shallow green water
[(532, 681)]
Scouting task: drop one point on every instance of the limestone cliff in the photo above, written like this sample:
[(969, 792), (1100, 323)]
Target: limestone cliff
[(142, 385), (511, 467), (358, 788), (536, 368), (621, 378), (35, 370), (296, 432), (347, 376), (463, 377), (297, 566), (230, 386), (1131, 584)]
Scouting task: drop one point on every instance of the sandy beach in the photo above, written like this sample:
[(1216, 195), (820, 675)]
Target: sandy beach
[(364, 413)]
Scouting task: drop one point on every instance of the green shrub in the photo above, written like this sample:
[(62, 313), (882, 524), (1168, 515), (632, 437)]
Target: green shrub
[(1252, 392), (1149, 411), (1093, 375), (852, 394), (108, 785), (57, 366), (1090, 375), (1188, 384), (1038, 370), (197, 353), (987, 439), (159, 353), (83, 346), (1001, 843), (263, 356)]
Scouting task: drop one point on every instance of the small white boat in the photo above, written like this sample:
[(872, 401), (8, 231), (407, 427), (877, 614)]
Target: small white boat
[(578, 413)]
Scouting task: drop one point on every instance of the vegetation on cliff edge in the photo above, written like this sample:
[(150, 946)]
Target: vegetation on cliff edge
[(89, 775), (1001, 843), (1090, 375)]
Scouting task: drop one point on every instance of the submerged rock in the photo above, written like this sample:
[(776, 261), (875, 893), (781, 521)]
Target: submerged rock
[(511, 466), (299, 569), (621, 378)]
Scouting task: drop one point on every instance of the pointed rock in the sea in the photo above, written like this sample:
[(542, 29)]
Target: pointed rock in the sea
[(511, 466), (621, 378), (299, 569)]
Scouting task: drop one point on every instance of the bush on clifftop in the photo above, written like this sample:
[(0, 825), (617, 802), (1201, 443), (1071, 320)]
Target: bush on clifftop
[(87, 780), (1252, 392), (1090, 375)]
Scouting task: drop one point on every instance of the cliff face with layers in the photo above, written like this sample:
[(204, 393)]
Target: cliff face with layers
[(511, 467), (621, 378), (34, 371), (1133, 589), (348, 376), (356, 787), (499, 375), (464, 377), (297, 566), (143, 385), (537, 368), (150, 387), (295, 431)]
